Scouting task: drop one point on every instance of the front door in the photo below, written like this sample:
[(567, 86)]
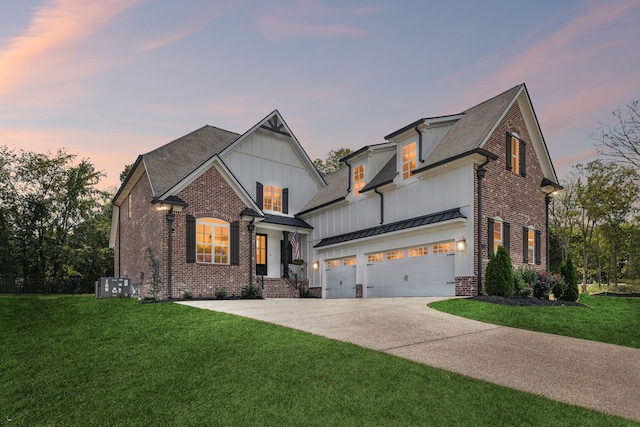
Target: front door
[(261, 254)]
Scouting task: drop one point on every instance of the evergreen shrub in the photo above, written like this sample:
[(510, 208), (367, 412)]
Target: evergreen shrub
[(499, 274), (570, 277)]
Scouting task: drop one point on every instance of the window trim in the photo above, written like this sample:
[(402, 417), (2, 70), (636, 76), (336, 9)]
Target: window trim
[(358, 177), (411, 162), (213, 223), (516, 154)]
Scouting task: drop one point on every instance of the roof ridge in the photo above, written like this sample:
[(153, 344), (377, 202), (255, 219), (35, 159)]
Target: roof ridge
[(494, 97)]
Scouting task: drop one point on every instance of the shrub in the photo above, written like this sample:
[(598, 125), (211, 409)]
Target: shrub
[(531, 277), (187, 295), (499, 274), (250, 291), (570, 277), (520, 287), (221, 293), (548, 283)]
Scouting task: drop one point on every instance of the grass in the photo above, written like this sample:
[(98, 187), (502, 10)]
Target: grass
[(78, 361), (612, 320)]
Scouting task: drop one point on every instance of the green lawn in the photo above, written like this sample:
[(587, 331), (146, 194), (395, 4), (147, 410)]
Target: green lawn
[(78, 361), (612, 320)]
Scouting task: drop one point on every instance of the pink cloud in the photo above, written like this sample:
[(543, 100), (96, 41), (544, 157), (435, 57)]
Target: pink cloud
[(305, 18), (55, 31), (276, 29), (572, 159)]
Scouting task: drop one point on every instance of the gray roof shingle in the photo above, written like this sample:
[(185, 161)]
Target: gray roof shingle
[(166, 166)]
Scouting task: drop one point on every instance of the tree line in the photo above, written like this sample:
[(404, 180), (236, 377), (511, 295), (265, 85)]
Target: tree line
[(54, 221), (594, 219)]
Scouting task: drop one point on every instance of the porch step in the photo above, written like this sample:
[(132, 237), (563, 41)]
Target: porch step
[(280, 288)]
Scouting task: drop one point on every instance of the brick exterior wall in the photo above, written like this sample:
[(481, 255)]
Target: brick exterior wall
[(517, 200), (209, 196), (136, 233)]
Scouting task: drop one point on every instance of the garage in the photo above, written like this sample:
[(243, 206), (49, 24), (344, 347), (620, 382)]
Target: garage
[(427, 270), (341, 278)]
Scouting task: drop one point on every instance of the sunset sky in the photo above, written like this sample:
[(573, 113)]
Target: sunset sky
[(112, 79)]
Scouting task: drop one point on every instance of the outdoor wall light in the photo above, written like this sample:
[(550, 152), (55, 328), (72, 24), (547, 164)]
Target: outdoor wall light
[(461, 245), (315, 265)]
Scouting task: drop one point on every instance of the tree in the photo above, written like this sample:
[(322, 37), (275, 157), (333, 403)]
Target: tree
[(499, 274), (332, 163), (568, 272), (605, 194), (125, 172), (564, 215), (621, 140)]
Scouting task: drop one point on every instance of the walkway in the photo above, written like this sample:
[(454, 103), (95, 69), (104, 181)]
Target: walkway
[(594, 375)]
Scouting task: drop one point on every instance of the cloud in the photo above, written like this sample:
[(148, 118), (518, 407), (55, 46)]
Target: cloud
[(56, 29), (304, 18)]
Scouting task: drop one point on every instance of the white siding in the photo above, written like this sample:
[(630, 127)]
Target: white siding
[(270, 158)]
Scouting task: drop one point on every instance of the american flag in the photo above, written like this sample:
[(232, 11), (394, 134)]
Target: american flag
[(295, 245)]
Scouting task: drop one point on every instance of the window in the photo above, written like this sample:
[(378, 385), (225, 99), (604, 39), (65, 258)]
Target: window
[(391, 255), (349, 261), (419, 251), (130, 208), (531, 250), (212, 241), (497, 235), (516, 149), (272, 200), (358, 179), (333, 263), (374, 257), (442, 248), (408, 159)]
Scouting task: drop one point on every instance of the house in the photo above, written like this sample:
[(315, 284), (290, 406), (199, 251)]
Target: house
[(417, 215)]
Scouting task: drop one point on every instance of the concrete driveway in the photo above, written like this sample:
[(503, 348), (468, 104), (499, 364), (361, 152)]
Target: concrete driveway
[(599, 376)]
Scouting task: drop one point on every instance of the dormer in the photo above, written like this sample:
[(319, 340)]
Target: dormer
[(416, 140), (365, 164)]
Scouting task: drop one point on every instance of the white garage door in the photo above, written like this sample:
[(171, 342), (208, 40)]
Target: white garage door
[(427, 270), (341, 278)]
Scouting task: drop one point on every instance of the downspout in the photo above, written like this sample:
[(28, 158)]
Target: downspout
[(381, 205), (119, 245), (251, 227), (480, 172), (547, 200), (349, 180), (170, 217), (419, 144)]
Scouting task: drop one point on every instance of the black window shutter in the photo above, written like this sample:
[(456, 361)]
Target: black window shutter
[(537, 247), (191, 238), (285, 200), (234, 242), (523, 162), (508, 151), (506, 238), (525, 245), (490, 221), (259, 196)]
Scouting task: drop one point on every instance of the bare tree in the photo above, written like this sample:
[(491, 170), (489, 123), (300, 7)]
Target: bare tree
[(621, 139)]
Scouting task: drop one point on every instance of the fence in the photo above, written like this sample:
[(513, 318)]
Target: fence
[(73, 285)]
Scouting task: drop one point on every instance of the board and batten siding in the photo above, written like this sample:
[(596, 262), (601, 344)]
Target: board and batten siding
[(269, 158), (445, 189)]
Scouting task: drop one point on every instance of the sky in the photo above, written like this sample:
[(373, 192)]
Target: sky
[(109, 80)]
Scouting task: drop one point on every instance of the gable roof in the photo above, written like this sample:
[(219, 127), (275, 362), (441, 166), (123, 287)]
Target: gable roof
[(166, 166), (335, 190), (385, 176)]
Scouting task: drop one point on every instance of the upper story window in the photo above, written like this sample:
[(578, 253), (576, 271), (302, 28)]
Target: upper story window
[(212, 241), (408, 159), (130, 207), (516, 150), (358, 179), (531, 250), (272, 198)]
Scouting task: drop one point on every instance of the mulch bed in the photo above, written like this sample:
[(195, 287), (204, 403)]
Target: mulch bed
[(526, 302)]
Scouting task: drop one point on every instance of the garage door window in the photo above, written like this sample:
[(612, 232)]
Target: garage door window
[(349, 261), (333, 263), (443, 248), (391, 255), (419, 251), (374, 258)]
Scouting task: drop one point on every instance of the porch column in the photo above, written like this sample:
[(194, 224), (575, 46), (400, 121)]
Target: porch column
[(283, 255)]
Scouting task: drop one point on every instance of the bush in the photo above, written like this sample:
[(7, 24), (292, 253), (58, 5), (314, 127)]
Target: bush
[(548, 283), (570, 277), (187, 295), (499, 274), (520, 287), (221, 293), (250, 291)]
